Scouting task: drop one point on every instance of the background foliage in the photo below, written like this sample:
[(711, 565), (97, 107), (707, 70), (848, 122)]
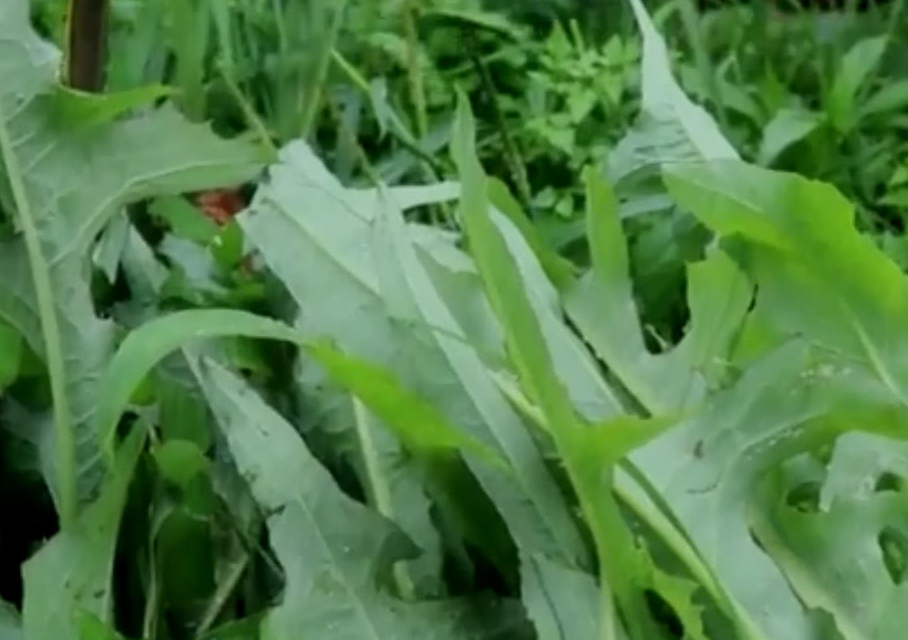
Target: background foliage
[(456, 320)]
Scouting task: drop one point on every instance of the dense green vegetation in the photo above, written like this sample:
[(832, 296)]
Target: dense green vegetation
[(453, 320)]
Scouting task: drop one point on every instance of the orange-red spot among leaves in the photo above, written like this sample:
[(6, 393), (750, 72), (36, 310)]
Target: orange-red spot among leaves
[(220, 204)]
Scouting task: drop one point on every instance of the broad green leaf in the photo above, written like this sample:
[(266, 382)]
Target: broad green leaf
[(10, 625), (855, 67), (858, 464), (708, 469), (73, 179), (834, 558), (671, 128), (787, 127), (333, 549), (72, 571), (603, 308), (816, 274), (347, 269)]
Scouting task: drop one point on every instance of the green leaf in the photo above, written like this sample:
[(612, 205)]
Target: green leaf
[(185, 219), (562, 602), (148, 344), (834, 558), (72, 571), (892, 96), (110, 246), (558, 269), (73, 108), (501, 278), (396, 487), (708, 469), (76, 179), (333, 549), (671, 128), (180, 461), (415, 420), (587, 453), (91, 627), (817, 276), (603, 308), (348, 261), (858, 464), (787, 127), (857, 64), (10, 625)]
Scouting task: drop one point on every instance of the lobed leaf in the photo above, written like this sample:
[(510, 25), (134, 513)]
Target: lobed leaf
[(78, 170)]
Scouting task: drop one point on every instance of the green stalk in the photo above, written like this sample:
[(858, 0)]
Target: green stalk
[(221, 594), (320, 72), (398, 129), (65, 449), (414, 73), (418, 99), (252, 118), (512, 153)]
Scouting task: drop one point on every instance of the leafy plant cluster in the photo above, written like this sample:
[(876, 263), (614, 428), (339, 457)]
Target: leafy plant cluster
[(454, 326)]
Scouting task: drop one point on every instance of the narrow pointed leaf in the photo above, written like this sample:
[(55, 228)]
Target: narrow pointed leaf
[(332, 548)]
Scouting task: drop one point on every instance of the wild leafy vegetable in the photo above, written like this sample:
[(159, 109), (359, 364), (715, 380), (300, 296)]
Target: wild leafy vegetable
[(357, 256), (382, 397), (347, 548), (72, 573), (68, 176)]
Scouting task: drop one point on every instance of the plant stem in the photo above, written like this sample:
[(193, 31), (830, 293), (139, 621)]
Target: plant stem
[(418, 98), (64, 450), (252, 118), (86, 47), (320, 72), (518, 168), (220, 595), (414, 73)]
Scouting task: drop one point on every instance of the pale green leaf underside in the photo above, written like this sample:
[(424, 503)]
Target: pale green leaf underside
[(331, 547), (76, 177), (324, 242)]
